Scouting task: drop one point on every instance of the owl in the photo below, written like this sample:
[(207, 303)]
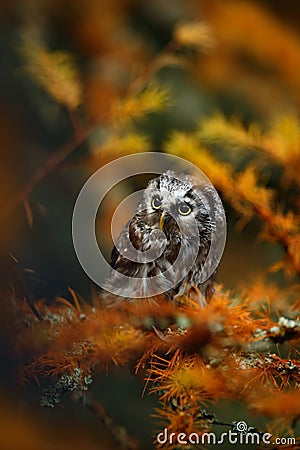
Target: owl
[(164, 248)]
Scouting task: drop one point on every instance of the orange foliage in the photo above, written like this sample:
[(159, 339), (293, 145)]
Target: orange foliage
[(244, 345), (256, 67), (184, 370)]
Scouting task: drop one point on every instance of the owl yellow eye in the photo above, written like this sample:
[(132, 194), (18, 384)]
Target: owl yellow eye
[(156, 203), (184, 209)]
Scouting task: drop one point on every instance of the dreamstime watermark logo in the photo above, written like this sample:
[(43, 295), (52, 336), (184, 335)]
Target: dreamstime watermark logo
[(240, 434), (89, 202)]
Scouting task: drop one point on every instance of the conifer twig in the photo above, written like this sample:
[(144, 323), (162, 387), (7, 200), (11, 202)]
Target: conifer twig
[(44, 170), (120, 435)]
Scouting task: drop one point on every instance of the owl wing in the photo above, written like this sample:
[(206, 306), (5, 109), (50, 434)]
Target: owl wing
[(114, 258), (134, 232), (117, 259)]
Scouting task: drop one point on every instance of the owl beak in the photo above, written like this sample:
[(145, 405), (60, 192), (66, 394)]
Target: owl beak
[(162, 220)]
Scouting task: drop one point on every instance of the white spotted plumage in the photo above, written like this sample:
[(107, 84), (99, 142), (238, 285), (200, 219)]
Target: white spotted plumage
[(182, 203)]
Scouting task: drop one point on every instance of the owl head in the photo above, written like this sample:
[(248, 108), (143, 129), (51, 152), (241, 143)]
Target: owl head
[(172, 202)]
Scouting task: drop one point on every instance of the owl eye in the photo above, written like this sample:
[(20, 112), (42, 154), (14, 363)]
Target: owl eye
[(184, 209), (156, 203)]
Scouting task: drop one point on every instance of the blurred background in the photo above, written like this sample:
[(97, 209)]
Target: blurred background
[(246, 65)]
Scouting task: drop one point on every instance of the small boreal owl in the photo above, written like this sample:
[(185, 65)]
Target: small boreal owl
[(165, 249)]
